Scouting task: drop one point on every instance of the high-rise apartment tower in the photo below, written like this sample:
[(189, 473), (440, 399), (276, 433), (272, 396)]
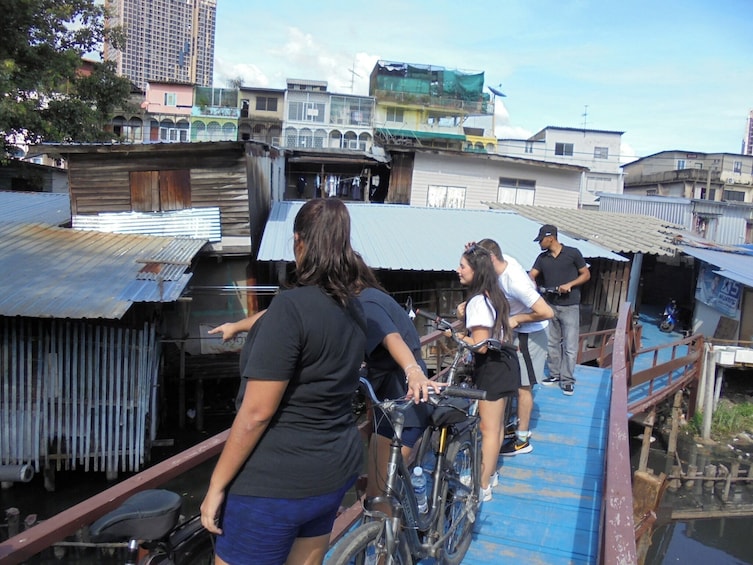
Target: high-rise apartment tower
[(166, 40), (748, 139)]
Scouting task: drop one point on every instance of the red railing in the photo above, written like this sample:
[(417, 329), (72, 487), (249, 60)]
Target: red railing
[(27, 544), (617, 531)]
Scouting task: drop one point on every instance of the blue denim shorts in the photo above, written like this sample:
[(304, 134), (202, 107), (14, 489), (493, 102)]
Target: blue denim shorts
[(262, 530)]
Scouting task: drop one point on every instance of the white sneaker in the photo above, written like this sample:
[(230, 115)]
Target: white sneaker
[(486, 493), (494, 480)]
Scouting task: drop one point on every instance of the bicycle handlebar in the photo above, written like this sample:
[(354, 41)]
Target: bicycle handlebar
[(442, 324), (434, 397), (549, 290), (462, 392)]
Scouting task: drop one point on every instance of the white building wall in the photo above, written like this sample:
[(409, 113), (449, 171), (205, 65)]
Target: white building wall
[(480, 180), (604, 174)]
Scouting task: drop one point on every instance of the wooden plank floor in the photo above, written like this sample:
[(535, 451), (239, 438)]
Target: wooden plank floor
[(547, 506)]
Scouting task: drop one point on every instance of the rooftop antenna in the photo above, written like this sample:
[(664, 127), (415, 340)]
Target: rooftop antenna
[(585, 116), (353, 75)]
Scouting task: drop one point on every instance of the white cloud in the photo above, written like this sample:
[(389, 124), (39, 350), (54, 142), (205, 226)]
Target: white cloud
[(251, 75), (627, 153)]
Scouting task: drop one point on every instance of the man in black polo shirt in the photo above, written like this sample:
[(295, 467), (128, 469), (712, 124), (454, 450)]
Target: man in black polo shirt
[(562, 270)]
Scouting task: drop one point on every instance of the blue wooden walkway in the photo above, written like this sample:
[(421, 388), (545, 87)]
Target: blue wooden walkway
[(547, 506)]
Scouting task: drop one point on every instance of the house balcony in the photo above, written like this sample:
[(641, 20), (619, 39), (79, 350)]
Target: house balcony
[(444, 104)]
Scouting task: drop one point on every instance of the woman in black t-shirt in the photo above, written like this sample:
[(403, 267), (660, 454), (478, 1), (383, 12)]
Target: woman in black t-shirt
[(293, 449)]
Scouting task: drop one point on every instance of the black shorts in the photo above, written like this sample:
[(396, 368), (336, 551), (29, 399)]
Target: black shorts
[(498, 373)]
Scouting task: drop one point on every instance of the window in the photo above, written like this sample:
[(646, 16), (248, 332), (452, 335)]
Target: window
[(266, 103), (563, 149), (601, 152), (395, 115), (529, 147), (516, 191), (734, 195), (171, 99), (172, 133), (155, 191), (680, 164), (596, 183), (306, 111), (737, 167), (446, 197)]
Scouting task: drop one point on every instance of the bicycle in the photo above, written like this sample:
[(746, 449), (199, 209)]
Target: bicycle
[(450, 451), (460, 370), (148, 526)]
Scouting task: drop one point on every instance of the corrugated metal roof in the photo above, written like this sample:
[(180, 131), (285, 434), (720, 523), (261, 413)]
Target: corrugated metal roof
[(49, 208), (198, 223), (398, 237), (49, 272), (733, 265), (621, 233), (675, 211)]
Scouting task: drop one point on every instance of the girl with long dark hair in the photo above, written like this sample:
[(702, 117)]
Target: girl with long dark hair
[(486, 315), (293, 449)]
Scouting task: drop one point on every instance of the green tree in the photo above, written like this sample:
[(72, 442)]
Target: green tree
[(42, 96)]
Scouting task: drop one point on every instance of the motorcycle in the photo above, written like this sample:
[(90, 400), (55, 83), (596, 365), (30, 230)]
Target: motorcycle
[(670, 316)]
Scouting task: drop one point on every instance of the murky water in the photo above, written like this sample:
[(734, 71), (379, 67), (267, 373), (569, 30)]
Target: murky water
[(718, 541)]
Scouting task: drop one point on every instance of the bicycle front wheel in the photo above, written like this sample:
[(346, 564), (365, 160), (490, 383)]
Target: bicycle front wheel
[(366, 545), (460, 498)]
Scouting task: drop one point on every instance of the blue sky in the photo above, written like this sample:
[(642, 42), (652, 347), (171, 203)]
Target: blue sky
[(670, 74)]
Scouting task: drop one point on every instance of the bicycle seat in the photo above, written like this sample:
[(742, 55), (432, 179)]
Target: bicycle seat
[(147, 515)]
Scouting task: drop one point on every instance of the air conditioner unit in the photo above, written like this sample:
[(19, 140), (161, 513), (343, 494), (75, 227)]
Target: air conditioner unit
[(730, 180)]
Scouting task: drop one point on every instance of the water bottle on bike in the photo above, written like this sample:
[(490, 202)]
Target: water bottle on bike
[(419, 487)]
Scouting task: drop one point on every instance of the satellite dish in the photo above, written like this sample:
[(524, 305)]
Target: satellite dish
[(497, 92), (16, 152)]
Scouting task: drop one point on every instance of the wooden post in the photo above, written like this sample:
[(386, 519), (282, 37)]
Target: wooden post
[(676, 414), (732, 474), (709, 471), (13, 518), (199, 391), (692, 473), (648, 428)]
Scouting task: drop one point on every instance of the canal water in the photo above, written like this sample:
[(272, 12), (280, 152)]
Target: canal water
[(717, 541)]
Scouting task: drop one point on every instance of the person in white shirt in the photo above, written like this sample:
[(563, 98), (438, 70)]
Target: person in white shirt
[(529, 313)]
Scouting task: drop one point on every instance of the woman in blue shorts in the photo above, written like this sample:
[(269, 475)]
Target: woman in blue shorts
[(293, 449)]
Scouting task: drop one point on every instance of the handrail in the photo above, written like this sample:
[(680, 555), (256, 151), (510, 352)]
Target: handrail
[(688, 367), (617, 531), (30, 542)]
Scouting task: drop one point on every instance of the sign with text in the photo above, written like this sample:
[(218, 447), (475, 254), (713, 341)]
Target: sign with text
[(719, 292)]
